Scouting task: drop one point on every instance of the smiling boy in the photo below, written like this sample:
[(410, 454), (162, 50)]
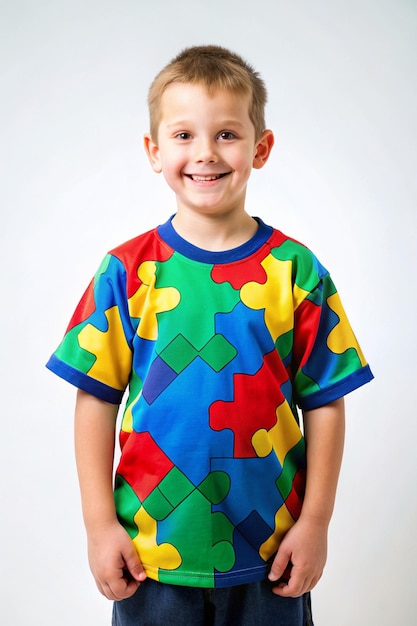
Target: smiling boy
[(206, 147), (222, 329)]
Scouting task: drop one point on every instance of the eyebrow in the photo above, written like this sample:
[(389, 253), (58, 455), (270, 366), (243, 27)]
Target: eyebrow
[(223, 123)]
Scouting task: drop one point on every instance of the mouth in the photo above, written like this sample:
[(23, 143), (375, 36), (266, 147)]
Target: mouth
[(204, 179)]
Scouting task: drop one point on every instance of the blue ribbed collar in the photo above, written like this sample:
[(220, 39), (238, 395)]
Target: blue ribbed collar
[(168, 233)]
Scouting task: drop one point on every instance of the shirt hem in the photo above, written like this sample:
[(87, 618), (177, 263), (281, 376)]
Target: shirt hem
[(207, 581)]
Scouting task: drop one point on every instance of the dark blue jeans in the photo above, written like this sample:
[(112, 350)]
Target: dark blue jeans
[(254, 604)]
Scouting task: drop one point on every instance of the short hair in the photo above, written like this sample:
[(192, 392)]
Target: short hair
[(213, 67)]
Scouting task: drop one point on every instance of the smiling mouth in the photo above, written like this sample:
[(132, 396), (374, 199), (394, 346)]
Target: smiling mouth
[(203, 179)]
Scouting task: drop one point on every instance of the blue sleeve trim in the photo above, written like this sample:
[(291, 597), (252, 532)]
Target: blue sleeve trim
[(84, 382), (336, 391)]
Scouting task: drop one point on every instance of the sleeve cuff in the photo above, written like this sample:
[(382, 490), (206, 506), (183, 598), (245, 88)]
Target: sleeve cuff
[(84, 382), (336, 391)]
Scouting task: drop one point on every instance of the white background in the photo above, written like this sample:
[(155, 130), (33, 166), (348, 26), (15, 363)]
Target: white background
[(75, 182)]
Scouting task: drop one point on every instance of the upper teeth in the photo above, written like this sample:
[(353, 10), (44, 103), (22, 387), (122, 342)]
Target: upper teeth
[(202, 178)]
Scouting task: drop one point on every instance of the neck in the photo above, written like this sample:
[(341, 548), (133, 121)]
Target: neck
[(215, 233)]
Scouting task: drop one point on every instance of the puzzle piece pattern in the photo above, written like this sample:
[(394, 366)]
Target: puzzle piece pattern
[(171, 506), (116, 352), (212, 471), (152, 300), (341, 338), (277, 294), (248, 390), (178, 355)]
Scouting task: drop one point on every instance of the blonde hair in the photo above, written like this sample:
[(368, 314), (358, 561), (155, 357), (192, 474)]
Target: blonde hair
[(214, 68)]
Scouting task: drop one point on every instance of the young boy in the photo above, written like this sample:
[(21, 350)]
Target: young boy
[(220, 326)]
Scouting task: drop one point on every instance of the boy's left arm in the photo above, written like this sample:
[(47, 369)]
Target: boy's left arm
[(305, 544)]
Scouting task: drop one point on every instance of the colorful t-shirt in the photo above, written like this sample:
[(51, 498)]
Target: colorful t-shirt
[(217, 351)]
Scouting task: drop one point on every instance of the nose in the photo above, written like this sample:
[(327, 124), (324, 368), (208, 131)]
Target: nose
[(205, 151)]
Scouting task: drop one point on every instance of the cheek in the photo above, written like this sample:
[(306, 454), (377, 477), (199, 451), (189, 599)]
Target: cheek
[(243, 161), (172, 161), (244, 165), (172, 170)]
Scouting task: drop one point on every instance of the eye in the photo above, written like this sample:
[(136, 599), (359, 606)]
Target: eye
[(183, 136), (227, 135)]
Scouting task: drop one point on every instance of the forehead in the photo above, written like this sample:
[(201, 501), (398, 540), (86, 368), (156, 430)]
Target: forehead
[(194, 99)]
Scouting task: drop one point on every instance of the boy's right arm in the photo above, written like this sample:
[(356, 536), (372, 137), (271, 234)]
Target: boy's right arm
[(113, 559)]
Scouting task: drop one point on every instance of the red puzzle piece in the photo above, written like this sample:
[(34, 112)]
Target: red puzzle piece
[(256, 399), (140, 451)]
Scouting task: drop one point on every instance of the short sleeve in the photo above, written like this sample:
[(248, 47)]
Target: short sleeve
[(328, 362), (96, 352)]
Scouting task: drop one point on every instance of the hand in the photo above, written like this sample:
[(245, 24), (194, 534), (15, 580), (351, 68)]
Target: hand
[(114, 561), (302, 553)]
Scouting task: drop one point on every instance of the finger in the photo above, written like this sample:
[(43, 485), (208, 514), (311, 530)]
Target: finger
[(295, 585), (100, 587), (292, 589), (280, 567), (120, 589), (106, 591), (134, 568)]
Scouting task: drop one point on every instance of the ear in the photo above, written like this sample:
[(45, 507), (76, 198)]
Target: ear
[(152, 152), (263, 149)]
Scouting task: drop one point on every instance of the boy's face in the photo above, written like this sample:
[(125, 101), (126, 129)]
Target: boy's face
[(206, 148)]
